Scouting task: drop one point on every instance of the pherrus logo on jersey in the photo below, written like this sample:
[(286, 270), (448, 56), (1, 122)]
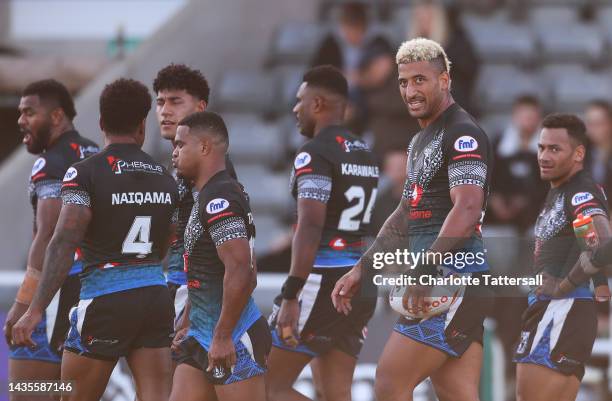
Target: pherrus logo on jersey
[(120, 166)]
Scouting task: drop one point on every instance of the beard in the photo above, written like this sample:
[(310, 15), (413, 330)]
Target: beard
[(40, 141)]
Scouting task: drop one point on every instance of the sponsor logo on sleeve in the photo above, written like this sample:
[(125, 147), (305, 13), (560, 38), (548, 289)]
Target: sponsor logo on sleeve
[(466, 144), (302, 160), (217, 205), (581, 197), (71, 174), (38, 165)]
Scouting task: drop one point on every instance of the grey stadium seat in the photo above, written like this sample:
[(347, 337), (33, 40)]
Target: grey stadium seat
[(253, 141), (268, 229), (494, 124), (604, 17), (268, 192), (570, 42), (499, 41), (289, 79), (246, 91), (553, 15), (572, 90), (498, 86), (296, 42)]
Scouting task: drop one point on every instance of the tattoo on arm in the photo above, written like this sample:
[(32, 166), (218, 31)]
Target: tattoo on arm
[(70, 230)]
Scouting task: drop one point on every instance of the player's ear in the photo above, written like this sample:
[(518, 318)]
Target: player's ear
[(202, 105), (318, 104), (445, 81), (57, 115), (579, 153), (101, 125), (140, 134)]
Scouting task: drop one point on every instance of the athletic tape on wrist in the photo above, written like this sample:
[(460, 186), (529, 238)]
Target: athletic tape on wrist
[(28, 286), (292, 286)]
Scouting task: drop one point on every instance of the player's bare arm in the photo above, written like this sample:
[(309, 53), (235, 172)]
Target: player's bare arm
[(311, 219), (392, 235), (237, 288), (71, 227), (557, 287)]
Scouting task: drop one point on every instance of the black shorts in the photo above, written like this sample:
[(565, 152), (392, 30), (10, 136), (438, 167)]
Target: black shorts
[(251, 355), (320, 326), (558, 334), (110, 326), (50, 334), (453, 331)]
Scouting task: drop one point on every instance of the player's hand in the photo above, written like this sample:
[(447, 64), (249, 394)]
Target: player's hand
[(179, 336), (222, 353), (345, 289), (585, 263), (602, 293), (14, 314), (22, 330), (287, 322), (415, 298), (549, 287)]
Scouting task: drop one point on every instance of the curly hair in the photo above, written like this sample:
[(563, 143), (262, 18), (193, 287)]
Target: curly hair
[(124, 104), (181, 77)]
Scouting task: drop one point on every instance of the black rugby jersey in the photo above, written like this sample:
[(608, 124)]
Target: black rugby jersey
[(222, 213), (133, 200), (50, 167), (453, 150), (338, 169), (556, 247)]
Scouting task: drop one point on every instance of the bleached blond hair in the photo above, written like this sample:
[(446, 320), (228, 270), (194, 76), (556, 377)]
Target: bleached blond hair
[(421, 49)]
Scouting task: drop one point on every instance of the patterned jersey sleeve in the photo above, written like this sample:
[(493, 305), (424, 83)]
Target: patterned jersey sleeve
[(313, 175), (46, 177), (467, 156), (587, 199), (76, 187), (223, 216)]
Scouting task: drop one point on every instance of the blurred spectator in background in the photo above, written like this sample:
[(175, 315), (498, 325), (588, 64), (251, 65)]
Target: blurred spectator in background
[(598, 119), (362, 54), (390, 188), (430, 19), (517, 191)]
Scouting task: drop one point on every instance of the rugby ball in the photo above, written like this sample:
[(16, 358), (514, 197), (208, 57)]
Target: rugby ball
[(441, 299)]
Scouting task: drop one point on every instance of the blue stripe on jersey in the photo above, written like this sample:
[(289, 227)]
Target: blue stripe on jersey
[(104, 281), (582, 292), (176, 270), (330, 258), (76, 268), (204, 320)]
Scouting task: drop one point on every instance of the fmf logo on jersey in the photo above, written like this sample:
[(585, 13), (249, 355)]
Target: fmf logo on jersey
[(302, 160), (581, 197), (466, 144), (217, 205), (38, 165), (71, 174)]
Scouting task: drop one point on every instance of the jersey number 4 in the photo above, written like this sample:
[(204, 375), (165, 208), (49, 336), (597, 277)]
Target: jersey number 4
[(137, 239), (348, 218)]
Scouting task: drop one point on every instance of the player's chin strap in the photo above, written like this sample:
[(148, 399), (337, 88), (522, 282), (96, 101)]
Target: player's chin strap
[(28, 286)]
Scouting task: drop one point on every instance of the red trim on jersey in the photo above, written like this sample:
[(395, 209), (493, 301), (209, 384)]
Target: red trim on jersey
[(474, 155), (580, 207), (70, 184), (37, 176), (302, 171), (217, 217)]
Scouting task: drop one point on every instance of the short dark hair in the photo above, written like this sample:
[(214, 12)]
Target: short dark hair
[(53, 91), (354, 13), (124, 104), (207, 121), (181, 77), (527, 100), (327, 77), (573, 125)]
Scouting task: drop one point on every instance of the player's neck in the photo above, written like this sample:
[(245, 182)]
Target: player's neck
[(110, 139), (326, 122), (59, 132), (207, 172), (575, 170), (445, 104)]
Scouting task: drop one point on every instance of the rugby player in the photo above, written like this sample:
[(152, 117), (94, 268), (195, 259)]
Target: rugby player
[(46, 113), (557, 334), (180, 92), (441, 211), (334, 180), (119, 204), (224, 353)]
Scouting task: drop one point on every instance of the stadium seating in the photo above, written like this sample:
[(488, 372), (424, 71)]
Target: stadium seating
[(295, 42), (246, 91)]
